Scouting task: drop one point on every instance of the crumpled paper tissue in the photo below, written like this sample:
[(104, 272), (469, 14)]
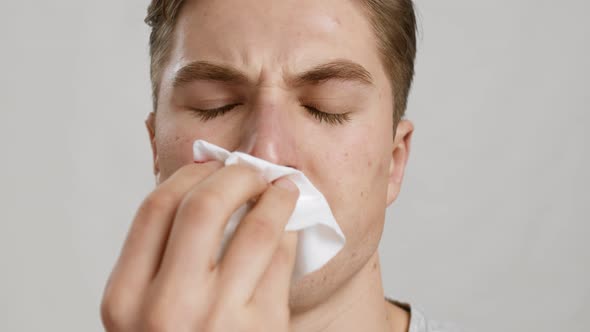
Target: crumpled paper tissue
[(319, 239)]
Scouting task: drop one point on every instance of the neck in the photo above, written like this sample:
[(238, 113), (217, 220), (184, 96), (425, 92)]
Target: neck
[(357, 306)]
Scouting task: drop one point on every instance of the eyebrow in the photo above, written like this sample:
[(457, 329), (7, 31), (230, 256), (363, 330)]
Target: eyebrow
[(341, 70), (206, 71)]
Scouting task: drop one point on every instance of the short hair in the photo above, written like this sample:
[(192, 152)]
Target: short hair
[(393, 22)]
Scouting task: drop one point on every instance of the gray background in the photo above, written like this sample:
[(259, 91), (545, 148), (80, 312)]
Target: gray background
[(490, 230)]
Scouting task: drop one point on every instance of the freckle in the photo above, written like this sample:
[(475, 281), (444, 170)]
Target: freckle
[(177, 138), (362, 194), (374, 266), (325, 278), (353, 254), (370, 163)]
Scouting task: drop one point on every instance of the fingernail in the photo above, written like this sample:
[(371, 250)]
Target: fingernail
[(286, 184)]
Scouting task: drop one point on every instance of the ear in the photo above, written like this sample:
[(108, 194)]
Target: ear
[(150, 124), (399, 158)]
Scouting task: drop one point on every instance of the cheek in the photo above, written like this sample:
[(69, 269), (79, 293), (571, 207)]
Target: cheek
[(352, 175), (176, 133), (174, 152), (174, 145)]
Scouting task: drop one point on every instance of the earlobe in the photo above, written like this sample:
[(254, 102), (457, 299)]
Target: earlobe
[(150, 124), (399, 158)]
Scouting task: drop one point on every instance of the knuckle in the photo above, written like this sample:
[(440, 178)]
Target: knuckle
[(262, 230), (210, 198), (158, 318), (203, 202), (113, 313), (282, 255), (159, 200), (168, 308)]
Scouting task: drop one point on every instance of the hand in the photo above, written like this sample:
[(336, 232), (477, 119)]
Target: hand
[(167, 277)]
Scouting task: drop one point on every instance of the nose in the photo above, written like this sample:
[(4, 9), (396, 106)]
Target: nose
[(269, 133)]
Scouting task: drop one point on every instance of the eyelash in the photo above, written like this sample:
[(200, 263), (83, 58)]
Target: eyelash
[(210, 114), (329, 118)]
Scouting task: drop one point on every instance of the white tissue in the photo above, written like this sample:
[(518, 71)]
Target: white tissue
[(319, 239)]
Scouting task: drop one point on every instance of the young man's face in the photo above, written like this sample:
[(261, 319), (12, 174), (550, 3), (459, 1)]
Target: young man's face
[(349, 158)]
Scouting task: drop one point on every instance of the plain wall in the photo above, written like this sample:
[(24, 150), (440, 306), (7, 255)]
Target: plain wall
[(490, 230)]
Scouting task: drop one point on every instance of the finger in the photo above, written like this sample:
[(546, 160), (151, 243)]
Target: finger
[(200, 221), (273, 288), (142, 250), (255, 241), (149, 230)]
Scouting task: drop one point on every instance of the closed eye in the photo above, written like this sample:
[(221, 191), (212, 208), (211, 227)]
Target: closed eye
[(209, 114), (329, 118)]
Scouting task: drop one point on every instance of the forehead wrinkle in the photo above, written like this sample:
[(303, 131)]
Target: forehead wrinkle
[(324, 24)]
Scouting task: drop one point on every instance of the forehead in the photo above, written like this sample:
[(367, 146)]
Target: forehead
[(270, 33)]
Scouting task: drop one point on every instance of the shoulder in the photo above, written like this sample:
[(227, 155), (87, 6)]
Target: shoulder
[(419, 322)]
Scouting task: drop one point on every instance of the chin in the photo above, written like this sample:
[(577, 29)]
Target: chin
[(311, 290), (317, 287)]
